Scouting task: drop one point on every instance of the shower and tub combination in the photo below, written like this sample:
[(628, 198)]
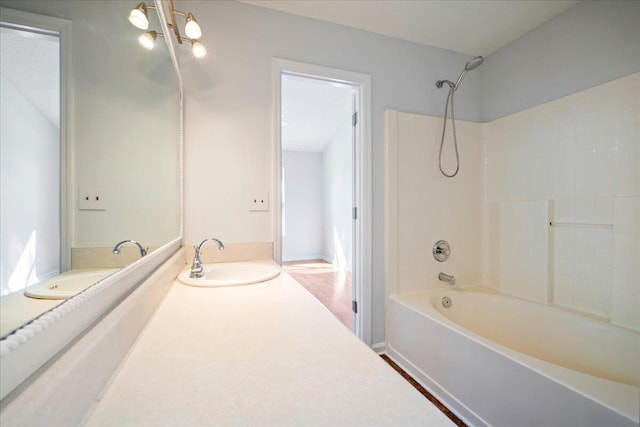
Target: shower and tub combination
[(502, 346), (503, 361)]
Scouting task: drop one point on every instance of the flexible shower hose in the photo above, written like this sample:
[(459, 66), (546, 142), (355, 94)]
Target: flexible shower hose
[(455, 139)]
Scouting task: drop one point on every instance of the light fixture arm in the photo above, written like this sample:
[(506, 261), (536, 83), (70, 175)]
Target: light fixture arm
[(173, 25)]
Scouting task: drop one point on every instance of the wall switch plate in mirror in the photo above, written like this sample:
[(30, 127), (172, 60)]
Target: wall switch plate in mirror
[(92, 199), (259, 202)]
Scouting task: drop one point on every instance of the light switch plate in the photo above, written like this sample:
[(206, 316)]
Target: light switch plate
[(92, 199), (259, 202)]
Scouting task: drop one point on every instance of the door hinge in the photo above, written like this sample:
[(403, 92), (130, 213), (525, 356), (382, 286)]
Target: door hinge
[(355, 213), (354, 119), (354, 306)]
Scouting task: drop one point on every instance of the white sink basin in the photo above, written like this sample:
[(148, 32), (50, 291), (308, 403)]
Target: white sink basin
[(67, 284), (232, 274)]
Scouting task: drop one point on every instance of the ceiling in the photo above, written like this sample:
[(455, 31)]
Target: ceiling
[(312, 112), (473, 27)]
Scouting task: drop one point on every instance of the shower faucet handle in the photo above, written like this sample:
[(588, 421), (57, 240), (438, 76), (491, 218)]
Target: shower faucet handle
[(441, 250)]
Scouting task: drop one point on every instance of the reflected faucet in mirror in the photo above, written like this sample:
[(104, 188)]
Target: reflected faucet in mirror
[(143, 250), (197, 271)]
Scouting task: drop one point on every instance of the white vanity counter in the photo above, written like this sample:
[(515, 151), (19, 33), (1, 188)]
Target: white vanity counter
[(267, 354)]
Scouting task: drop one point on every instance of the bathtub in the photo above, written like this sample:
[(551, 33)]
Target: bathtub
[(496, 360)]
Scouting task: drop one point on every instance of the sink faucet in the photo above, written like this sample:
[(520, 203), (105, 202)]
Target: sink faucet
[(116, 248), (446, 278), (197, 271)]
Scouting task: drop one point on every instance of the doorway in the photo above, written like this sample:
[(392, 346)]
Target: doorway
[(317, 193), (32, 194), (322, 182)]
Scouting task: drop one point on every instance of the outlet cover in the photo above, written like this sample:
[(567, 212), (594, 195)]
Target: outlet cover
[(92, 199), (259, 202)]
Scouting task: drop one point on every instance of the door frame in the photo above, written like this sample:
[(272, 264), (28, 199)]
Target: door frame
[(362, 174)]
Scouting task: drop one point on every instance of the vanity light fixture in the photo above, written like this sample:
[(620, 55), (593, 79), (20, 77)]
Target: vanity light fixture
[(191, 28), (139, 18), (198, 49), (148, 39)]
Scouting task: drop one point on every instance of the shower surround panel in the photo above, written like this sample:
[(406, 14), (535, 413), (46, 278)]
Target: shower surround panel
[(579, 155), (581, 152)]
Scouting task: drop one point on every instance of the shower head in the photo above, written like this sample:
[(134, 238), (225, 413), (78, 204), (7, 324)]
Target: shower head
[(470, 65), (474, 63)]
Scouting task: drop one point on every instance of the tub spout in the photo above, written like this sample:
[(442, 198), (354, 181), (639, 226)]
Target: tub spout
[(446, 278)]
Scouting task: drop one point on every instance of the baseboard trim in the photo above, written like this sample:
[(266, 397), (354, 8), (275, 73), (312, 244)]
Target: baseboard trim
[(379, 347), (304, 258), (448, 400)]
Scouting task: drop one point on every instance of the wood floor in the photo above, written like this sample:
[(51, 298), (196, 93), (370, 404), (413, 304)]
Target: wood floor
[(331, 286), (457, 421)]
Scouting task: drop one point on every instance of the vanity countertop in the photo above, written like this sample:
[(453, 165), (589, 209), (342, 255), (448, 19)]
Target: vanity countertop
[(267, 354)]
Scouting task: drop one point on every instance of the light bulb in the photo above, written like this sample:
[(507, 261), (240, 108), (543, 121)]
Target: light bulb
[(191, 28), (138, 17), (148, 39), (198, 49)]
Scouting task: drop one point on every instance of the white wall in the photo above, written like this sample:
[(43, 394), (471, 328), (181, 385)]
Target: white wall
[(318, 202), (228, 134), (338, 198), (29, 203), (589, 44), (126, 130), (303, 215)]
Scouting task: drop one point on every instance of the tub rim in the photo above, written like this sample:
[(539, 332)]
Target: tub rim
[(621, 398)]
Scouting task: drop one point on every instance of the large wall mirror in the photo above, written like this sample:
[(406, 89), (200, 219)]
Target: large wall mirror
[(110, 170)]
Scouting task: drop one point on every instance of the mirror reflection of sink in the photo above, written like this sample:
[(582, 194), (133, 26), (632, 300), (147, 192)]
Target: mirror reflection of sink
[(68, 284), (232, 274)]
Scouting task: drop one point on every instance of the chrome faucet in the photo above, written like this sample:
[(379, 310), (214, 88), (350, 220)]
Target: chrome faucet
[(197, 271), (446, 278), (116, 248)]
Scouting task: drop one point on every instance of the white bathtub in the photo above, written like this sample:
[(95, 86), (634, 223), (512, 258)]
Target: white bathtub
[(502, 361)]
